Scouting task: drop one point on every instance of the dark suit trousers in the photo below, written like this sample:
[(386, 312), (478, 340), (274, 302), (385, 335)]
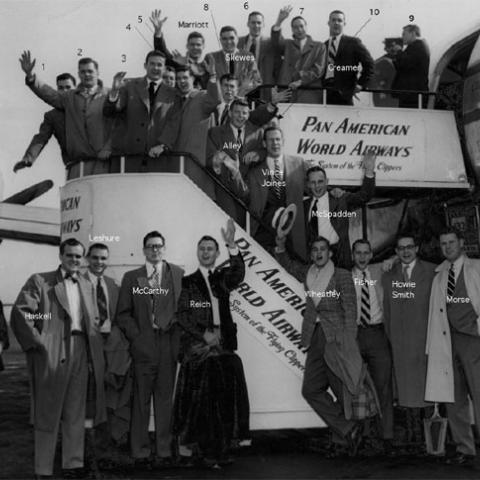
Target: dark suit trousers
[(376, 353), (466, 374), (156, 377), (316, 380)]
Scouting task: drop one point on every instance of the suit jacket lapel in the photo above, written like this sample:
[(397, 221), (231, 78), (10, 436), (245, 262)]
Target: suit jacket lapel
[(201, 283), (142, 89), (142, 278), (61, 293)]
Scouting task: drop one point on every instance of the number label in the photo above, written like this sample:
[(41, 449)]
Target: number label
[(411, 18), (205, 6), (245, 5), (374, 11), (128, 27), (139, 19), (301, 10), (124, 58), (79, 52)]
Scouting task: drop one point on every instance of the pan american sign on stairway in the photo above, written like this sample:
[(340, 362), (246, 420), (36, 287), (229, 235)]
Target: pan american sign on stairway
[(269, 303)]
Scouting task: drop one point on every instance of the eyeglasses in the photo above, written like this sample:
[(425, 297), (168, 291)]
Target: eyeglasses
[(406, 247), (157, 246)]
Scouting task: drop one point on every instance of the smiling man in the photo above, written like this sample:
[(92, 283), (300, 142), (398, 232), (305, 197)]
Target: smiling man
[(53, 319), (147, 314), (329, 329), (372, 341), (141, 106), (405, 305), (328, 216), (88, 133), (211, 403), (453, 342)]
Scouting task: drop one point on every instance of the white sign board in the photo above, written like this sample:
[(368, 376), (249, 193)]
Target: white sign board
[(414, 148)]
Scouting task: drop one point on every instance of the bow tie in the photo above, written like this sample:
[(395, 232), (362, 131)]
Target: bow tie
[(72, 276)]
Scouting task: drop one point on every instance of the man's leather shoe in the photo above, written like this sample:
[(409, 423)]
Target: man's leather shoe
[(143, 463), (461, 459), (354, 439), (163, 462), (73, 473)]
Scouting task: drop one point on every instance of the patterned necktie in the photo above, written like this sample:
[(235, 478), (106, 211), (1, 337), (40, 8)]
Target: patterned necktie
[(101, 302), (332, 51), (151, 95), (451, 281), (253, 47), (365, 302), (156, 302), (277, 177)]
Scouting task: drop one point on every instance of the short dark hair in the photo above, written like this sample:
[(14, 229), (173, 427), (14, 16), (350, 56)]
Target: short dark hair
[(240, 102), (451, 229), (184, 68), (228, 77), (71, 242), (361, 241), (228, 28), (298, 17), (321, 239), (170, 69), (255, 13), (337, 11), (154, 53), (66, 76), (413, 28), (401, 235), (271, 129), (100, 246), (206, 238), (195, 35), (86, 61), (315, 168), (154, 234)]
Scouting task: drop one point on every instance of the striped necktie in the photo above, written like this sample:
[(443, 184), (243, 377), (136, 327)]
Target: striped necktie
[(451, 281), (277, 177), (365, 303), (332, 51)]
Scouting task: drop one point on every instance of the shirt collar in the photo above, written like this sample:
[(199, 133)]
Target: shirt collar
[(458, 263), (156, 82), (94, 278), (409, 265), (359, 273), (151, 268)]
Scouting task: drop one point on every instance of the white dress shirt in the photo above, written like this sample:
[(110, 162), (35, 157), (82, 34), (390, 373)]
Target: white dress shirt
[(325, 228), (74, 302), (271, 165), (213, 299)]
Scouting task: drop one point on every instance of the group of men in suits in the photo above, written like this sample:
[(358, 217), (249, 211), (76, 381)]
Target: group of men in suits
[(85, 338), (414, 326)]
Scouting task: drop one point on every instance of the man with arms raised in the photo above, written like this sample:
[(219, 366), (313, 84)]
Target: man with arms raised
[(88, 134), (327, 215), (142, 105), (303, 58), (53, 124), (211, 402), (193, 58)]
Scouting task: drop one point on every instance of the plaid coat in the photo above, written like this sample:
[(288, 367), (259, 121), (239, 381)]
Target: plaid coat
[(194, 321)]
